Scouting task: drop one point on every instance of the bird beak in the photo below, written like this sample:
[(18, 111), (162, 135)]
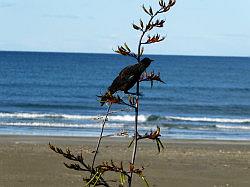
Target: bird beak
[(151, 60)]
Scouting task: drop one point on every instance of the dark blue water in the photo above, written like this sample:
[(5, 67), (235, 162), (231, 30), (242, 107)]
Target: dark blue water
[(55, 94)]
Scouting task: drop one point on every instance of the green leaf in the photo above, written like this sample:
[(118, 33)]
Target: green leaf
[(97, 179), (122, 179), (144, 179), (91, 179)]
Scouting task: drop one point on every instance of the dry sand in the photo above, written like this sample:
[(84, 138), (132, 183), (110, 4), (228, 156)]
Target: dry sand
[(27, 161)]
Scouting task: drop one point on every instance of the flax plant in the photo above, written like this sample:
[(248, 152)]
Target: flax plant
[(94, 173)]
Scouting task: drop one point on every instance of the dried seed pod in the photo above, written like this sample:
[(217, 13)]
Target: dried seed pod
[(151, 11), (141, 23), (145, 10), (136, 27)]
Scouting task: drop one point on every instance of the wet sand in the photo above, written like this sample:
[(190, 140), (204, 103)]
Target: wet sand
[(27, 161)]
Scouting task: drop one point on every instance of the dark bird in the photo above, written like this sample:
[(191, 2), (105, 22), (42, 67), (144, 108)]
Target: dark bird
[(126, 79)]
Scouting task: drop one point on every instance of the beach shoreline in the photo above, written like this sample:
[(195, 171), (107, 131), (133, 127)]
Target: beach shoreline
[(28, 161)]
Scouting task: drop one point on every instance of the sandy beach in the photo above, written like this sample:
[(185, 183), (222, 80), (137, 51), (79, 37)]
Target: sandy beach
[(27, 161)]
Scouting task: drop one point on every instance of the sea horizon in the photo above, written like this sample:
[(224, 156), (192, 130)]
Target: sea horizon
[(113, 53)]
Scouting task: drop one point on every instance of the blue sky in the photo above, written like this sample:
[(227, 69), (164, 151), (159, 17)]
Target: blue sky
[(196, 27)]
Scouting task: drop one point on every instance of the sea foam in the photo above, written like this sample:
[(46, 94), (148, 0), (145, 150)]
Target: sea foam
[(127, 118), (206, 119)]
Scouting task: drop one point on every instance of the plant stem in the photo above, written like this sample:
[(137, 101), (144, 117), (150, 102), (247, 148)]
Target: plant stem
[(137, 100), (140, 43), (135, 131), (100, 137)]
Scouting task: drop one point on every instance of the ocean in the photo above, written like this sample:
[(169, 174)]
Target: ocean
[(55, 94)]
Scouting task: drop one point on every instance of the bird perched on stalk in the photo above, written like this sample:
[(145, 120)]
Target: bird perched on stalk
[(126, 79)]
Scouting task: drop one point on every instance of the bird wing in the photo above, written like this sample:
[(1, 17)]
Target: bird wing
[(126, 75), (128, 72)]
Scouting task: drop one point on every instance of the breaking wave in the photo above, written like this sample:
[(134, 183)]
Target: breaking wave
[(232, 127), (205, 119), (127, 118), (62, 125), (119, 121), (198, 119), (207, 127)]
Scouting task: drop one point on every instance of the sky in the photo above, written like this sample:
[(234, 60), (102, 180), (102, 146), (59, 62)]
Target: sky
[(196, 27)]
